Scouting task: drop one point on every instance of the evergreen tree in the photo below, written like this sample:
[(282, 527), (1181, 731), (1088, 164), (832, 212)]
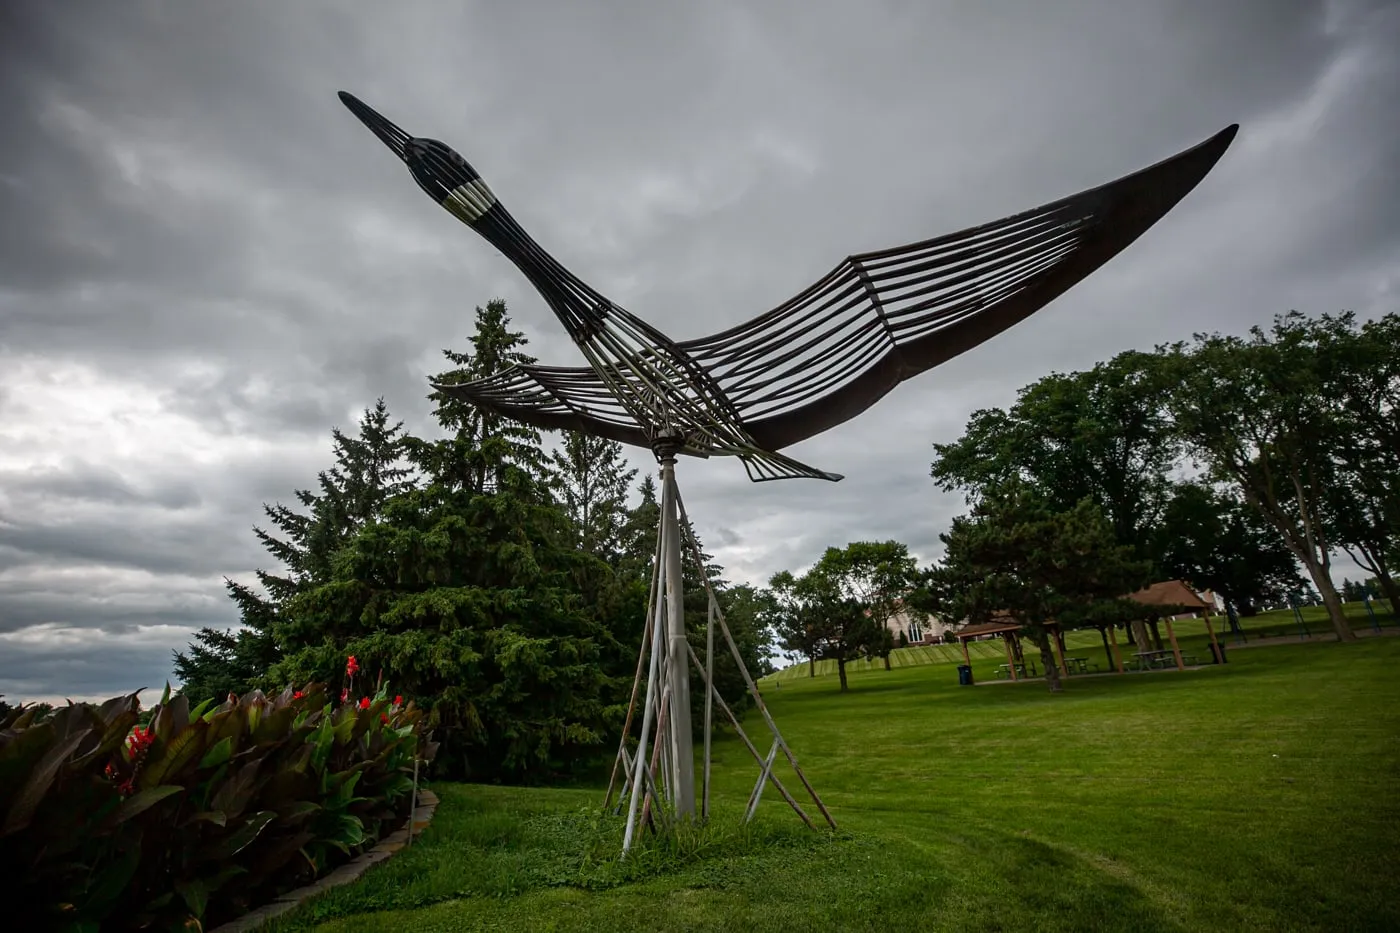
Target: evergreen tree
[(368, 470), (639, 532), (481, 445), (593, 480), (1017, 555), (469, 595)]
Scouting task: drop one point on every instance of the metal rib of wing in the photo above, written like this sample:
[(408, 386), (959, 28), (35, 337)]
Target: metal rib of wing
[(833, 350), (882, 317), (872, 304), (576, 399), (554, 399)]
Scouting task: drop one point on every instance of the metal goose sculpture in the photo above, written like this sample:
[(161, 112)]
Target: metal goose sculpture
[(815, 361)]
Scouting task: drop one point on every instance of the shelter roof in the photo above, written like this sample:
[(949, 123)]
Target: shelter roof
[(987, 628), (1170, 593)]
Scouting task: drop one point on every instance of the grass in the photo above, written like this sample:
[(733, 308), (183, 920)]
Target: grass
[(1254, 796), (1191, 635)]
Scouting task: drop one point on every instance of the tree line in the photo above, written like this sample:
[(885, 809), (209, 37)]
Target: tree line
[(501, 586), (1229, 462)]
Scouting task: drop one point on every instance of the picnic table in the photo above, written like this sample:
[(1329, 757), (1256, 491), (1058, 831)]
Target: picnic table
[(1004, 670), (1145, 660), (1077, 665)]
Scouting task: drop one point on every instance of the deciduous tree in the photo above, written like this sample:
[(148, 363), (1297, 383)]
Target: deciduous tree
[(1257, 412)]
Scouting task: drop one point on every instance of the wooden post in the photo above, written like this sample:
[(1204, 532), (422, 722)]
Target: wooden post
[(1176, 649), (1010, 658), (966, 657), (1113, 639), (1214, 645), (1059, 641)]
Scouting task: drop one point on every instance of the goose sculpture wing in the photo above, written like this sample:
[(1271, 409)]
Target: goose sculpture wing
[(814, 361)]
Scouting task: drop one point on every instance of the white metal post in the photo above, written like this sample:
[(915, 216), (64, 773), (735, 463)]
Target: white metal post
[(682, 751)]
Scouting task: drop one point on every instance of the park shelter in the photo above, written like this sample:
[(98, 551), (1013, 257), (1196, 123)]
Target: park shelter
[(1006, 627), (1172, 598)]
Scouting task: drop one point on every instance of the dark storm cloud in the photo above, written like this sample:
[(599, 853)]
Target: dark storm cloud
[(206, 262)]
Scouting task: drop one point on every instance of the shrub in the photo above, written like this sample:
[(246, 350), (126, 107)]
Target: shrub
[(105, 824)]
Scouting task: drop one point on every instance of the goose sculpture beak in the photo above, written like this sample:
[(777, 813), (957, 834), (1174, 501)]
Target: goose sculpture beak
[(393, 137)]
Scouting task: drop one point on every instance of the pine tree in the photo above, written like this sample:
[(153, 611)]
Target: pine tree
[(639, 532), (593, 480), (469, 595), (1017, 555), (481, 446), (368, 470)]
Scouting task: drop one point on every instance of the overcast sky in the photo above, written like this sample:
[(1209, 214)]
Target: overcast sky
[(206, 262)]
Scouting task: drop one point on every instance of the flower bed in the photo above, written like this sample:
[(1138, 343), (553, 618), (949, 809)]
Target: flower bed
[(202, 814)]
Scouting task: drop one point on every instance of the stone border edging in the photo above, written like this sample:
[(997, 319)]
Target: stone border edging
[(422, 816)]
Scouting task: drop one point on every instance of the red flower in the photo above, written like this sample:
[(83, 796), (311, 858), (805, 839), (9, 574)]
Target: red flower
[(384, 718), (298, 695), (364, 703), (344, 694), (352, 667), (398, 701), (140, 739)]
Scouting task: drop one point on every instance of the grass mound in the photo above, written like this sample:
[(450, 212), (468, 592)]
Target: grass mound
[(1253, 796)]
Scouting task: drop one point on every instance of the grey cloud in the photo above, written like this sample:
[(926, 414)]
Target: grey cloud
[(186, 209), (84, 481)]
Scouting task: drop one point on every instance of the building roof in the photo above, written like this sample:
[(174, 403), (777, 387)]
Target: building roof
[(987, 628), (1170, 593)]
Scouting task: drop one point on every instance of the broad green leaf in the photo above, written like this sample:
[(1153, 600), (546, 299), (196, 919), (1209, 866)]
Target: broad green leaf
[(299, 811), (241, 838), (142, 801), (218, 754), (217, 817), (27, 800), (194, 894), (169, 759)]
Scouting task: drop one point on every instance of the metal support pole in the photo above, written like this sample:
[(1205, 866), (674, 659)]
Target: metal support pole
[(709, 701), (620, 763), (648, 709), (682, 749)]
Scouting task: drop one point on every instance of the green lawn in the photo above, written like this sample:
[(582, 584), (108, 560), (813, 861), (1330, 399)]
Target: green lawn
[(1255, 796), (1190, 633)]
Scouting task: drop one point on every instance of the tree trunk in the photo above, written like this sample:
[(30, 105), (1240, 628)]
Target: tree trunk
[(841, 669), (887, 662), (1157, 635), (1139, 629), (1047, 658), (811, 665), (1391, 591), (1323, 581)]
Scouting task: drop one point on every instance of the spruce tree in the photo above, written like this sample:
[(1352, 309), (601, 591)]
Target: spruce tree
[(368, 470), (593, 481), (469, 596)]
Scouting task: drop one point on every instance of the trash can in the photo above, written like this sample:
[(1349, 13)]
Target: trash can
[(965, 675), (1217, 651)]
